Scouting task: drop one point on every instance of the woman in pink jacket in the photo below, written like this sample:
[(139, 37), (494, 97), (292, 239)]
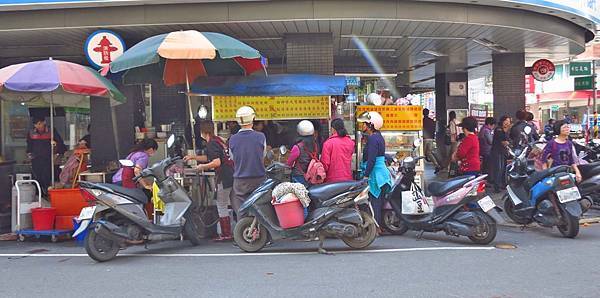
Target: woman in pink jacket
[(337, 154)]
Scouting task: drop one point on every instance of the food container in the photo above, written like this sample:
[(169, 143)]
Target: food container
[(140, 135), (150, 135), (161, 135)]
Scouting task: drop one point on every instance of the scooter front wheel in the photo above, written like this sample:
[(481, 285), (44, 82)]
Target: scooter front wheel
[(190, 229), (367, 233), (392, 223), (249, 235), (509, 208), (100, 248)]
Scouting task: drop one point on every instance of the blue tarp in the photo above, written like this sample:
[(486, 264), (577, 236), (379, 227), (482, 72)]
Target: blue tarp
[(273, 85)]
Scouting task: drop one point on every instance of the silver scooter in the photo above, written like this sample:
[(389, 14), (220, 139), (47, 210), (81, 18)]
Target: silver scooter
[(119, 219)]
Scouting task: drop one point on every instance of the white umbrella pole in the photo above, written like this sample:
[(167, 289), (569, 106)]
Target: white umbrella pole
[(52, 139), (189, 103)]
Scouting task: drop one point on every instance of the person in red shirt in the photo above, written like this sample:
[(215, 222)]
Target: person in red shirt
[(467, 153)]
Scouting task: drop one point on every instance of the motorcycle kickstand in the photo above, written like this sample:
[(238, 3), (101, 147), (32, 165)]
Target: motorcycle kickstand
[(321, 250), (420, 235)]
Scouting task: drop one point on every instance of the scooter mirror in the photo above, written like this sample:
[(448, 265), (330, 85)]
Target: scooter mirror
[(126, 163), (527, 130), (171, 141), (283, 150)]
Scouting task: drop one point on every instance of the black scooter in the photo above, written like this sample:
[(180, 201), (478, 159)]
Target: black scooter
[(589, 187), (335, 213)]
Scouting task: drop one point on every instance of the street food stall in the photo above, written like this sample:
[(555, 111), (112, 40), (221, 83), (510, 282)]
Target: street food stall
[(402, 125), (280, 100)]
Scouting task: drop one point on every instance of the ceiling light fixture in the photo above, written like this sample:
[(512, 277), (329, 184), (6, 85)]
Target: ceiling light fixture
[(434, 53), (490, 45), (403, 37), (372, 50), (368, 75), (261, 38)]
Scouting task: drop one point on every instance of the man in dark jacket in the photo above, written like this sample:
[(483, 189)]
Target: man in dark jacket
[(247, 148), (518, 128), (39, 151), (429, 140)]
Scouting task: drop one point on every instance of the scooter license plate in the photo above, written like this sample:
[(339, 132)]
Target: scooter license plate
[(486, 204), (87, 213), (568, 195)]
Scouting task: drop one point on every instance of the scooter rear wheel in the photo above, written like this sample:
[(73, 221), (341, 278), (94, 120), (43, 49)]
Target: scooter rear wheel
[(367, 234), (100, 248), (248, 238), (485, 233), (570, 228), (392, 223)]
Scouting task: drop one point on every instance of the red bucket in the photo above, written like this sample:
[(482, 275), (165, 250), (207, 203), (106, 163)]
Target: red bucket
[(290, 214), (43, 218)]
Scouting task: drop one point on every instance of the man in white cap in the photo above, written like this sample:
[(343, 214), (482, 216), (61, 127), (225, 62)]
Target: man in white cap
[(247, 148)]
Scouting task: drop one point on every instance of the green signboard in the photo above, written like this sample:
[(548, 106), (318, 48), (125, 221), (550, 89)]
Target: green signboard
[(554, 108), (584, 83), (580, 68)]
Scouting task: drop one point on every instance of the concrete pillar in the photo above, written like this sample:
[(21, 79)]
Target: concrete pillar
[(449, 70), (508, 83), (309, 53)]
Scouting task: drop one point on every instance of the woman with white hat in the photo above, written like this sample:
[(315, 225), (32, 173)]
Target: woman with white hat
[(375, 170)]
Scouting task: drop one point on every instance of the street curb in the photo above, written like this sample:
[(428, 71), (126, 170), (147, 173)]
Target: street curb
[(589, 220)]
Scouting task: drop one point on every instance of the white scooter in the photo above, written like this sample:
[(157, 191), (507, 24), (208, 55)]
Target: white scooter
[(119, 219)]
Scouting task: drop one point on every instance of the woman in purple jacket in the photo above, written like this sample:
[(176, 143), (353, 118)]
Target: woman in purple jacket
[(139, 155), (561, 151)]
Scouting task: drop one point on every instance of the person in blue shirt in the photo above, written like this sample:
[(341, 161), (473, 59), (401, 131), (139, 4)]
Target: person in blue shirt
[(375, 170)]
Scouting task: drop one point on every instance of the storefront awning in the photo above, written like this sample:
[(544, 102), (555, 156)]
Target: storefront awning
[(273, 85), (568, 95)]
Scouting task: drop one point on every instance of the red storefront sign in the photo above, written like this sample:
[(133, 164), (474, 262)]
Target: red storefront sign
[(529, 84)]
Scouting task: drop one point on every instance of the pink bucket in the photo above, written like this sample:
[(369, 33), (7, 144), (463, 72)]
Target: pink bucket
[(290, 214)]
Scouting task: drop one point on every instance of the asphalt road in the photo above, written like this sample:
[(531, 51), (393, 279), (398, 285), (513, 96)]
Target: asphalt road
[(542, 265)]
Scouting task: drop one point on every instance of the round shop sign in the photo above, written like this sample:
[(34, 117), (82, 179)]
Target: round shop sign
[(543, 70), (103, 47)]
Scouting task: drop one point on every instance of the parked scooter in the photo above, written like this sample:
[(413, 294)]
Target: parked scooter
[(548, 197), (458, 207), (119, 219), (589, 187), (336, 214)]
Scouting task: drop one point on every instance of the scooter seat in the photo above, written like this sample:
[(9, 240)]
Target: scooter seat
[(539, 176), (324, 192), (440, 188), (136, 194), (589, 170)]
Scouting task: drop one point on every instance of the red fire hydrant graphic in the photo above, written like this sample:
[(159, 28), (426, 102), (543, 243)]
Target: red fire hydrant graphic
[(105, 48)]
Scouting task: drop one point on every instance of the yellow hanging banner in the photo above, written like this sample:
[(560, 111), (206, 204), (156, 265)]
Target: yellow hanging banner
[(272, 107), (397, 118)]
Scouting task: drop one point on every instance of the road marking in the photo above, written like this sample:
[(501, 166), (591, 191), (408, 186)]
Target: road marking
[(264, 254)]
